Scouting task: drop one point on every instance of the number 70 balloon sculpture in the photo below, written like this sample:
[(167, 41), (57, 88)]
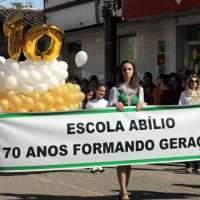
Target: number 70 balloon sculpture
[(38, 83)]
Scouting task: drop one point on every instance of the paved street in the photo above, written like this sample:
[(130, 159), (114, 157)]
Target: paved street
[(167, 181)]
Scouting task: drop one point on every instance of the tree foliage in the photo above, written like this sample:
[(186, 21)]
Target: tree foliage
[(21, 5)]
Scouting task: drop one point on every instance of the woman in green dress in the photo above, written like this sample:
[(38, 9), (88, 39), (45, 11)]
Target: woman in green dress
[(126, 93)]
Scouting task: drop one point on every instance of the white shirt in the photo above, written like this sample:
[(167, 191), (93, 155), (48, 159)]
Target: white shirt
[(185, 99), (97, 103)]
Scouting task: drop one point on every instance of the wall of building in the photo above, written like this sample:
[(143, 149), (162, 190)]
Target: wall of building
[(92, 41), (148, 35), (74, 17), (52, 3)]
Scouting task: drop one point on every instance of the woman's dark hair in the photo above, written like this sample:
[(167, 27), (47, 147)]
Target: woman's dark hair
[(98, 85), (133, 82), (86, 91)]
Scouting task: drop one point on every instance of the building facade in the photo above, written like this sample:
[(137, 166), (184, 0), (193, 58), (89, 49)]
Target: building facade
[(163, 40)]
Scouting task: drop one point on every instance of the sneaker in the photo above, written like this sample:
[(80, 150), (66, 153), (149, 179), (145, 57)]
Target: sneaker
[(188, 170), (101, 170), (97, 170), (198, 171)]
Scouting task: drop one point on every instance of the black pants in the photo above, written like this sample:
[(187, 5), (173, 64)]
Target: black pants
[(193, 164)]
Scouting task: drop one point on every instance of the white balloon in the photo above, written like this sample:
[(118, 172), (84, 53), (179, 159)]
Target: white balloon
[(61, 74), (24, 75), (9, 61), (52, 82), (35, 75), (46, 73), (41, 87), (14, 67), (2, 75), (40, 63), (81, 58), (11, 82), (29, 67), (25, 88), (2, 60), (28, 62), (65, 74), (63, 65)]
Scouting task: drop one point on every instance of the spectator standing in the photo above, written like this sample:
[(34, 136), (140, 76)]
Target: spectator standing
[(98, 102), (160, 89), (148, 87), (191, 95), (94, 81), (171, 96)]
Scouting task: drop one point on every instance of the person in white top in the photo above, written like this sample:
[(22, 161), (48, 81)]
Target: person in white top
[(126, 93), (98, 102), (191, 95)]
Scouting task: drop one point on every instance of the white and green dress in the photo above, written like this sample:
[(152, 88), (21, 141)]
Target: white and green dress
[(127, 96)]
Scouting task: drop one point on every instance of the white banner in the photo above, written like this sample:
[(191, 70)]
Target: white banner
[(105, 137)]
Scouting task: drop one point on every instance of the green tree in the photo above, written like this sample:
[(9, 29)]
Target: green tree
[(20, 5)]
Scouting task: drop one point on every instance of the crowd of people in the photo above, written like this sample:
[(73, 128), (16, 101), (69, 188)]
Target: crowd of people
[(170, 89)]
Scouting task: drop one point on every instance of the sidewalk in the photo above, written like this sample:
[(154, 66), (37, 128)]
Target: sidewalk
[(163, 181)]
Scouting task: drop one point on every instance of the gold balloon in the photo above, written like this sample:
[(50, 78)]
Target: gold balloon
[(57, 91), (48, 99), (39, 107), (22, 110), (59, 102), (13, 28), (51, 110), (70, 86), (10, 93), (4, 103), (82, 96), (56, 35), (31, 39), (28, 103), (21, 96), (77, 88), (36, 96), (16, 101)]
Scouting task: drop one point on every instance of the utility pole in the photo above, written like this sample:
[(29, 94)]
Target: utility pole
[(110, 33)]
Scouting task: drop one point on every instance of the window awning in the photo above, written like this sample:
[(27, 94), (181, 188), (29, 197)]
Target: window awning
[(132, 9)]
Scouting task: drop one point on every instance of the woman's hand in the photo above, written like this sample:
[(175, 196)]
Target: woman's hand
[(119, 106), (140, 106)]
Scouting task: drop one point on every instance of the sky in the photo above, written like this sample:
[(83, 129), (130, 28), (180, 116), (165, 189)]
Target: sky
[(36, 3)]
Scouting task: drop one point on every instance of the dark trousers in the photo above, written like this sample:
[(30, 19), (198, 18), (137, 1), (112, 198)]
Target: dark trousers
[(193, 164)]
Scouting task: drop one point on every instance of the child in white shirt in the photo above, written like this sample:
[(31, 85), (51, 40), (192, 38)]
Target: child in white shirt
[(98, 102)]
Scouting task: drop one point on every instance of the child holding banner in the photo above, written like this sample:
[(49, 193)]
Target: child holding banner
[(191, 95), (126, 93), (98, 102)]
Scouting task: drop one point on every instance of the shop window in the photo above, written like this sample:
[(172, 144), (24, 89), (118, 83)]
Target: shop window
[(74, 47), (127, 48), (193, 48), (193, 33), (194, 58), (119, 4)]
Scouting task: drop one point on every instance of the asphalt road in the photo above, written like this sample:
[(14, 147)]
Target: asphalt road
[(166, 181)]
